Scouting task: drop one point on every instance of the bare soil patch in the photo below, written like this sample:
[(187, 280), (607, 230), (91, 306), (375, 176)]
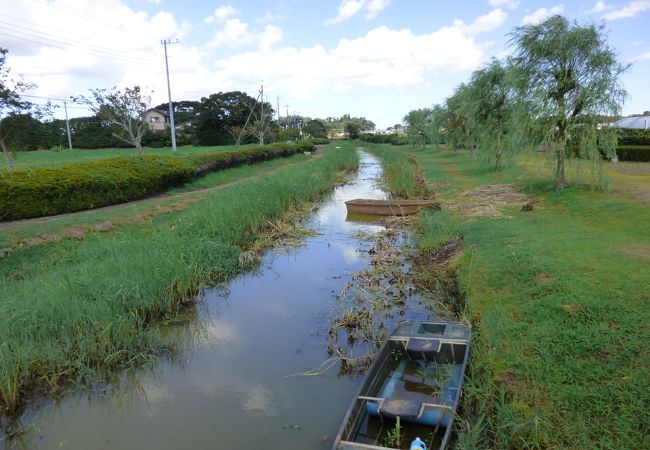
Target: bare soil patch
[(636, 251), (488, 201)]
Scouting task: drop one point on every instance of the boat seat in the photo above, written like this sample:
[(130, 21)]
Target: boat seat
[(422, 348), (405, 409)]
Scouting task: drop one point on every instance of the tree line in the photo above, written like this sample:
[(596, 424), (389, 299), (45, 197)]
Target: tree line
[(556, 92), (223, 118)]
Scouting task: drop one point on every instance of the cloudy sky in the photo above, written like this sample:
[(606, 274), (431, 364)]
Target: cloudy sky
[(372, 58)]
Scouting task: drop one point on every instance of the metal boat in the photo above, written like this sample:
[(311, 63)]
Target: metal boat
[(411, 389)]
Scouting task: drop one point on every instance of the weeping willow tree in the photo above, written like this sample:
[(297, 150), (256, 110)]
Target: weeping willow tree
[(568, 76), (461, 132), (417, 125), (487, 107)]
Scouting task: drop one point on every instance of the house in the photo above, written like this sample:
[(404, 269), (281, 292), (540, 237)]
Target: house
[(156, 119)]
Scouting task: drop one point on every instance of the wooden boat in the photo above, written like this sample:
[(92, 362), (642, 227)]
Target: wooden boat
[(392, 207), (412, 385)]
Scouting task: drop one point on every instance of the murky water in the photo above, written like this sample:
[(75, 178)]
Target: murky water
[(232, 388)]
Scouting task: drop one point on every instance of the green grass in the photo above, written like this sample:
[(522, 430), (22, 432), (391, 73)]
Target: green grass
[(399, 171), (559, 301), (237, 173), (74, 308), (49, 158)]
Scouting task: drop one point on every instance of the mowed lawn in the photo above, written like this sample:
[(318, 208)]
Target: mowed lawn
[(48, 158), (559, 298)]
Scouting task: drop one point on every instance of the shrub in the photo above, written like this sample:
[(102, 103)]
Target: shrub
[(319, 141), (394, 138), (633, 136), (639, 153), (75, 187)]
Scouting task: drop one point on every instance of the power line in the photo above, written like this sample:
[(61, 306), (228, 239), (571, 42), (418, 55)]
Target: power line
[(40, 41), (68, 9), (56, 39)]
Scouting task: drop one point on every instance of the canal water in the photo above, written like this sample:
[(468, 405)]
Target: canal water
[(235, 384)]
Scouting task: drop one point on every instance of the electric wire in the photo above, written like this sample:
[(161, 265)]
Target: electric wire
[(56, 39), (68, 9)]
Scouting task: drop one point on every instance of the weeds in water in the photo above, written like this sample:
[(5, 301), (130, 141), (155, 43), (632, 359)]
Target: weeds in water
[(394, 435)]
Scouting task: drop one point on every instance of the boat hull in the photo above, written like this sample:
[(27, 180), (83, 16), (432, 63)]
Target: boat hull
[(414, 381), (388, 207)]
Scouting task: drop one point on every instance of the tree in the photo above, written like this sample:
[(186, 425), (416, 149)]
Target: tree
[(123, 109), (417, 125), (10, 103), (316, 128), (489, 109), (352, 129), (568, 76)]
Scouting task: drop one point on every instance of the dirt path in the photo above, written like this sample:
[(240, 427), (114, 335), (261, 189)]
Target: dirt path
[(79, 231)]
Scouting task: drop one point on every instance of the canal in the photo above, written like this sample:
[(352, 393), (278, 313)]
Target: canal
[(242, 380)]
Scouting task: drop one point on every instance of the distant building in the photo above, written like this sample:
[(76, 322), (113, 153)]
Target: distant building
[(156, 119), (642, 122)]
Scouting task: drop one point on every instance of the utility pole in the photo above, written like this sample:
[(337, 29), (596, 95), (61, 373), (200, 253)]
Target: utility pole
[(67, 124), (262, 113), (287, 106), (277, 99), (169, 93)]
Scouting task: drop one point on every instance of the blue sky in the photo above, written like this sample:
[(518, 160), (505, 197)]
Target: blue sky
[(372, 58)]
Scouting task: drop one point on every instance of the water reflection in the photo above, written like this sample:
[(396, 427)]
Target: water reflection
[(230, 387)]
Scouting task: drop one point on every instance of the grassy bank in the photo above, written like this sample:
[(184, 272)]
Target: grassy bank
[(74, 308), (558, 298)]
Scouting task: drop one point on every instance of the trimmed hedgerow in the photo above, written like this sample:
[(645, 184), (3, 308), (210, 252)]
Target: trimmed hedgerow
[(633, 136), (319, 141), (46, 191), (394, 138), (633, 153)]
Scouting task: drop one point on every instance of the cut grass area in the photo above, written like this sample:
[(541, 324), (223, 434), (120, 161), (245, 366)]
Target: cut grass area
[(50, 158), (72, 309), (559, 301)]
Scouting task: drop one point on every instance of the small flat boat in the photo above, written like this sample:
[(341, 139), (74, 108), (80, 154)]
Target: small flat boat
[(411, 390), (391, 207)]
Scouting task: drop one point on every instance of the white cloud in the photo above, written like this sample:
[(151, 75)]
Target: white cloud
[(155, 2), (375, 7), (233, 34), (488, 22), (348, 8), (541, 14), (512, 4), (632, 9), (600, 6), (642, 57), (271, 35), (383, 57), (221, 13)]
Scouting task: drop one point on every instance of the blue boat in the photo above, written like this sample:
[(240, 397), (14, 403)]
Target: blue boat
[(411, 389)]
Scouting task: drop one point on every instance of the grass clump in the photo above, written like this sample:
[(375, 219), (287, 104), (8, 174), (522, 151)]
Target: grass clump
[(401, 172), (72, 309)]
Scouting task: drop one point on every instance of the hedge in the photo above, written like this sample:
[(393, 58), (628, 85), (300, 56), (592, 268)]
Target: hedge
[(46, 191), (633, 153), (394, 138), (319, 141), (633, 136)]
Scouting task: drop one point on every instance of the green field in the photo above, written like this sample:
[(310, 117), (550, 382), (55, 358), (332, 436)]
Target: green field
[(74, 308), (559, 302)]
